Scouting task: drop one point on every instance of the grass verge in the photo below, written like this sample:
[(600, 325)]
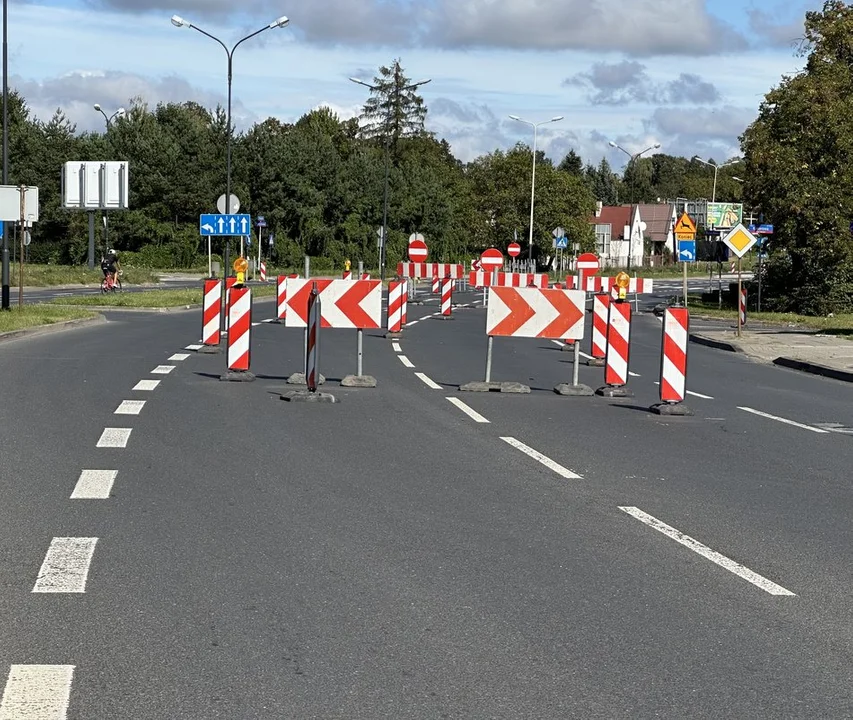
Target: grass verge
[(19, 318), (841, 324), (152, 298), (51, 275)]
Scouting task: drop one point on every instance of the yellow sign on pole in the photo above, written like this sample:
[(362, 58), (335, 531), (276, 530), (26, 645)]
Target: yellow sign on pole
[(739, 240), (685, 228)]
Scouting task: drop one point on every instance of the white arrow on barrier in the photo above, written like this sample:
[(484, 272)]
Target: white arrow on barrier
[(371, 304)]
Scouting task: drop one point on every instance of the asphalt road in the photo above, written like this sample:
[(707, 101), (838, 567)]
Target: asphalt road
[(415, 551)]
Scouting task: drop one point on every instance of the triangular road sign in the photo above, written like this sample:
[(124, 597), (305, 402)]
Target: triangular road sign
[(685, 224), (739, 240)]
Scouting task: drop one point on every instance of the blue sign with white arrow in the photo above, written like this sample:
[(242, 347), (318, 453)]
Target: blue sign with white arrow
[(563, 242), (224, 224), (687, 250)]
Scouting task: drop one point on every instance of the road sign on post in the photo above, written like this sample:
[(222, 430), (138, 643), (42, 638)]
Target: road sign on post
[(513, 250), (260, 221), (232, 208), (491, 259), (739, 240), (417, 250), (224, 224), (687, 251)]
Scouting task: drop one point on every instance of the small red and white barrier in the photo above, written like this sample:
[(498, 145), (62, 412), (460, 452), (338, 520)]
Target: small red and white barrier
[(618, 351), (436, 286), (673, 371), (263, 271), (312, 354), (419, 270), (600, 309), (365, 276), (483, 278), (446, 296), (607, 284), (230, 282), (281, 297), (239, 328), (397, 292), (742, 306), (347, 275), (211, 312)]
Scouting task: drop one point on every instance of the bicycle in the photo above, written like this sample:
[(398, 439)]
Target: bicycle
[(111, 285)]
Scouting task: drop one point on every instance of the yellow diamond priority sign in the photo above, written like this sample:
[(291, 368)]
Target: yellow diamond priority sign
[(740, 240)]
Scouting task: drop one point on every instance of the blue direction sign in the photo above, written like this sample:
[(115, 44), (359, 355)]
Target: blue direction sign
[(224, 224), (687, 250), (260, 221), (563, 242)]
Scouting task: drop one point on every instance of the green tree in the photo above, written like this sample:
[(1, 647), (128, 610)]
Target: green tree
[(799, 170), (394, 110)]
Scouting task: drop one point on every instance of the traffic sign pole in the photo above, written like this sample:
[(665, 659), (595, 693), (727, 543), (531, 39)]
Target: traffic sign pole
[(739, 291)]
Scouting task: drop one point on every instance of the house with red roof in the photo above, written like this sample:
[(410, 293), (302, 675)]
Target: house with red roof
[(637, 230)]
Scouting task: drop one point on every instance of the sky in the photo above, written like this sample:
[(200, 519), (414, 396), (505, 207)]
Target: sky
[(688, 74)]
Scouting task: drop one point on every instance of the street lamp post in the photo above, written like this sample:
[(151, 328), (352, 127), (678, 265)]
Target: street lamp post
[(535, 127), (384, 239), (716, 169), (4, 261), (180, 22), (108, 119), (631, 160)]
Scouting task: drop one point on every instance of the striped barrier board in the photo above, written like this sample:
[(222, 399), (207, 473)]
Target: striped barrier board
[(446, 296), (483, 278), (416, 270), (673, 369), (239, 328), (211, 312), (618, 344), (263, 271), (397, 293), (535, 312), (606, 284), (600, 308), (354, 304)]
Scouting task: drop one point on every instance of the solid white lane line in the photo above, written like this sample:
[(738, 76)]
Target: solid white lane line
[(37, 692), (538, 456), (114, 437), (408, 363), (469, 411), (706, 552), (162, 369), (395, 346), (194, 346), (130, 407), (178, 357), (413, 322), (66, 565), (146, 385), (694, 394), (782, 420), (94, 485), (428, 381)]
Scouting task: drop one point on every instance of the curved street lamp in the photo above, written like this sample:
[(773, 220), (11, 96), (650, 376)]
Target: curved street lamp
[(109, 118), (632, 158), (535, 127), (716, 169), (384, 239), (178, 22)]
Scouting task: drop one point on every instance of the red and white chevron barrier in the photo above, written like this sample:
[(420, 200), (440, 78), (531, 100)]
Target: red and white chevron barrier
[(742, 306), (430, 270), (239, 328), (535, 312), (397, 293), (673, 369), (618, 344), (211, 312), (600, 309), (482, 278), (312, 351), (355, 304), (263, 271), (446, 296)]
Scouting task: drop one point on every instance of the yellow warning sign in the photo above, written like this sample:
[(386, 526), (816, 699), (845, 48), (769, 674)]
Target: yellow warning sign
[(685, 228), (740, 240)]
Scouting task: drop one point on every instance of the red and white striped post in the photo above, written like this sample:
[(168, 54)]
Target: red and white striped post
[(618, 351), (598, 345), (239, 335), (446, 297), (263, 271), (742, 306), (405, 310), (365, 276), (673, 366), (280, 298), (396, 298), (211, 316), (347, 275), (436, 286), (230, 281), (312, 354)]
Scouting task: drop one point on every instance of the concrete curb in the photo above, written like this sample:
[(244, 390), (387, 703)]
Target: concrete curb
[(814, 368), (52, 328), (713, 343)]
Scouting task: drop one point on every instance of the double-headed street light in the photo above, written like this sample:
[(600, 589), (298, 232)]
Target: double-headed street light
[(384, 238), (109, 118), (716, 169), (178, 21), (632, 159), (535, 127)]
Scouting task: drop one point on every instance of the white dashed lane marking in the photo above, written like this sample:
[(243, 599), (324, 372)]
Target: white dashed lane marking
[(162, 369), (783, 420), (114, 437), (395, 346), (408, 363), (194, 346), (544, 459), (94, 485), (37, 692), (130, 407), (694, 394), (706, 552), (178, 357), (428, 381), (66, 565), (470, 412), (146, 385)]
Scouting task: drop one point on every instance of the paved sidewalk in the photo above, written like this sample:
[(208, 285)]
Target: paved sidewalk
[(806, 350)]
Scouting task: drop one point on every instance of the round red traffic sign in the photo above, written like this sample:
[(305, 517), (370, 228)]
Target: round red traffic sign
[(513, 249), (417, 251), (492, 258), (588, 262)]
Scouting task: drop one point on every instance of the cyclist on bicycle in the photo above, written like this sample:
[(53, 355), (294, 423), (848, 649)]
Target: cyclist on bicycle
[(110, 266)]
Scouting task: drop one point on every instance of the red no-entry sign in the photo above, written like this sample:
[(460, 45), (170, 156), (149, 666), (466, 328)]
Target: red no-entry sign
[(491, 258), (513, 249), (417, 251)]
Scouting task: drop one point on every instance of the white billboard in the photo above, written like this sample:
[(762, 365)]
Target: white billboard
[(10, 204), (95, 185)]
